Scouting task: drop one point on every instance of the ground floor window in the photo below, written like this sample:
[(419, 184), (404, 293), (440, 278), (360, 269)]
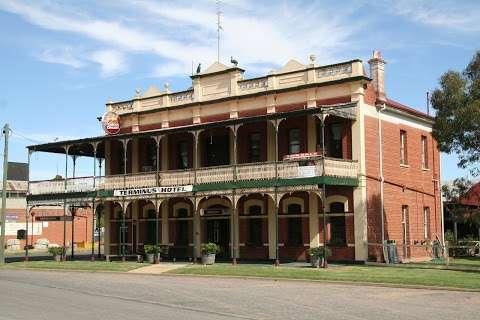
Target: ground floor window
[(255, 232), (426, 223), (295, 231), (337, 231), (151, 227), (337, 224), (181, 234)]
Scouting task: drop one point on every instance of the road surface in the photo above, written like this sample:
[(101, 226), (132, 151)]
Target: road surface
[(83, 295)]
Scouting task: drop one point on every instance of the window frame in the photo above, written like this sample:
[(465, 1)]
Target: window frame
[(426, 223), (295, 234), (403, 148), (254, 150), (182, 152), (292, 143), (424, 147)]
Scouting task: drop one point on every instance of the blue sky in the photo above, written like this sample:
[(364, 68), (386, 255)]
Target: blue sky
[(62, 60)]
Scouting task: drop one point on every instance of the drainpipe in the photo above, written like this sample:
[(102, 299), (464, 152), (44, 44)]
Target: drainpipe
[(380, 108)]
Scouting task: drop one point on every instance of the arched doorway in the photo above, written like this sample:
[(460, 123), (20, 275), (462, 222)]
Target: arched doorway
[(215, 215), (217, 228)]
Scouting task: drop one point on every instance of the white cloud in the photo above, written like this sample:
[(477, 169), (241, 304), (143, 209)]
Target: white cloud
[(460, 16), (171, 69), (256, 34), (112, 62), (62, 55)]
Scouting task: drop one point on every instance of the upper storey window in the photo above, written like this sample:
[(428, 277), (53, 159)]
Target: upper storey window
[(182, 155), (254, 141), (336, 140), (294, 141), (403, 148), (424, 146)]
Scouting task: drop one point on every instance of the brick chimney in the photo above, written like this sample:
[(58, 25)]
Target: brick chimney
[(377, 73)]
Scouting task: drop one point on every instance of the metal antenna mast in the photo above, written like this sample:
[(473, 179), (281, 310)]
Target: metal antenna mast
[(219, 28)]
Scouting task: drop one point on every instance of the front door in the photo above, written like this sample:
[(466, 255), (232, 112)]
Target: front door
[(218, 231)]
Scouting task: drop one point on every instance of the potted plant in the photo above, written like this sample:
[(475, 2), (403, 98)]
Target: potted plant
[(163, 251), (56, 252), (318, 256), (151, 251), (209, 250)]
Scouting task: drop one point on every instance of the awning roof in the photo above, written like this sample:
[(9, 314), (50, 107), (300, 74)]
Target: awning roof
[(84, 147)]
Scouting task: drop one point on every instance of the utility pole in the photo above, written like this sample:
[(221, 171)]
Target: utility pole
[(6, 131)]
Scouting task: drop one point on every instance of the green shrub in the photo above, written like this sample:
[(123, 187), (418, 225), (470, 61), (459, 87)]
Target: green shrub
[(319, 252), (210, 248), (450, 237), (56, 251), (154, 249)]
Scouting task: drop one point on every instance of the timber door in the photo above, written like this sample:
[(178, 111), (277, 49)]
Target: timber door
[(218, 231)]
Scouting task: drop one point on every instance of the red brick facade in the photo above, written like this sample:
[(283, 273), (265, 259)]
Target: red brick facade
[(404, 185), (53, 231)]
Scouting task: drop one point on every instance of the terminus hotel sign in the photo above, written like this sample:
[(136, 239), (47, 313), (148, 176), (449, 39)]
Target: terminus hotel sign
[(152, 190)]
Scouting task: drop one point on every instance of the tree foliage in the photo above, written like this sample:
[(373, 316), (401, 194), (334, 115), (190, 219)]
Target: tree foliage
[(457, 120)]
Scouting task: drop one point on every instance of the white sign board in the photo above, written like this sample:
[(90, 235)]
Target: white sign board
[(152, 190), (306, 171), (11, 228)]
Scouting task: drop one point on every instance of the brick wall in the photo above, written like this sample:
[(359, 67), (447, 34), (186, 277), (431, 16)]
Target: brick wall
[(409, 185), (53, 231)]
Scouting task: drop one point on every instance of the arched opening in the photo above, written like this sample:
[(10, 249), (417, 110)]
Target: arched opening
[(180, 151), (292, 136), (147, 155), (337, 224), (215, 144), (253, 226), (148, 223), (180, 226), (294, 226), (337, 137), (215, 216), (252, 142)]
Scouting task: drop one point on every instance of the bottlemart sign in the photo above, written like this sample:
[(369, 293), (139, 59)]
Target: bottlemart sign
[(152, 190)]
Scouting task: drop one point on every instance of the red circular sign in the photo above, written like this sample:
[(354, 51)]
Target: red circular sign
[(111, 123)]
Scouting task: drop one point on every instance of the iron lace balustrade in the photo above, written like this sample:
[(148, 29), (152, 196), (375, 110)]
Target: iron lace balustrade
[(340, 168)]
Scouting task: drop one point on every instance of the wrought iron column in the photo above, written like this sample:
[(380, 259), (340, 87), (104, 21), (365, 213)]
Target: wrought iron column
[(277, 250), (64, 253), (27, 210), (92, 257), (124, 213), (322, 126), (98, 215), (157, 209), (73, 211)]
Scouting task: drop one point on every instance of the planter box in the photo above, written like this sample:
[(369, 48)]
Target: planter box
[(57, 257), (151, 257), (208, 258)]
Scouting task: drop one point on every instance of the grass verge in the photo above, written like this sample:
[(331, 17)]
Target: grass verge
[(473, 262), (76, 265), (381, 275)]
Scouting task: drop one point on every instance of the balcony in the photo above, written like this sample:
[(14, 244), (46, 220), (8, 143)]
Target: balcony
[(338, 168)]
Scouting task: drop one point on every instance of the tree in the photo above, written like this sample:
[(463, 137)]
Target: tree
[(457, 120)]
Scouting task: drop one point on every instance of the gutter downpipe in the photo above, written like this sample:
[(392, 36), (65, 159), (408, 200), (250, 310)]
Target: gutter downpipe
[(380, 108)]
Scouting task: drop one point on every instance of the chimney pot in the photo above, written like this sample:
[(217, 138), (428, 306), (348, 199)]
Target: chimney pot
[(377, 73)]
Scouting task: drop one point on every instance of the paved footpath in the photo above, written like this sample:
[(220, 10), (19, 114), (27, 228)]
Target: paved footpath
[(26, 294)]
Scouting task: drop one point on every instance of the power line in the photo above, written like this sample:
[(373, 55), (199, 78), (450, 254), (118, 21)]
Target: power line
[(25, 137)]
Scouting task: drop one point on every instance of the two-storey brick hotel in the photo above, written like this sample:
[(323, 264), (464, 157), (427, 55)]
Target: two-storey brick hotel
[(305, 156)]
